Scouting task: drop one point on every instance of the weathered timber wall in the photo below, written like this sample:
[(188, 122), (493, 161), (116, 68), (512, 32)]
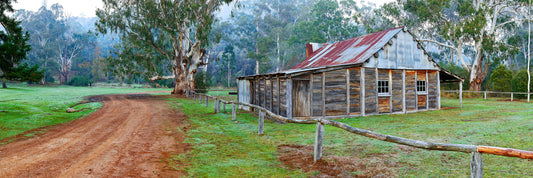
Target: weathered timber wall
[(410, 90), (283, 97), (268, 94), (371, 91), (335, 91), (275, 96), (244, 92), (433, 93), (355, 91), (316, 97), (396, 90), (422, 97), (301, 104)]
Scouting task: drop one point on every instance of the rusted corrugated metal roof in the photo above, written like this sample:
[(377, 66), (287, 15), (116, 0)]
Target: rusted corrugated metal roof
[(351, 51)]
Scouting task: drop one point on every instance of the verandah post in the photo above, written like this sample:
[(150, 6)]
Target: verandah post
[(476, 165), (318, 140), (461, 94), (261, 122)]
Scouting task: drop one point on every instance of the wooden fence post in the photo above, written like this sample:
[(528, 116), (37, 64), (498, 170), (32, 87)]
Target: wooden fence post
[(233, 112), (206, 101), (511, 96), (216, 105), (318, 140), (485, 96), (200, 100), (224, 111), (261, 122), (476, 165), (461, 94), (194, 96)]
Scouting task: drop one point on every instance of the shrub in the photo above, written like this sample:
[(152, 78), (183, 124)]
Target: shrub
[(519, 81), (501, 79), (79, 81), (200, 82)]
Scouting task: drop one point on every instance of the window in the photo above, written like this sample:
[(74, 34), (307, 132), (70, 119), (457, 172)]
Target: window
[(383, 87), (421, 86)]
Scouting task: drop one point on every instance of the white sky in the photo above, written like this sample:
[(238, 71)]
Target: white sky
[(87, 8)]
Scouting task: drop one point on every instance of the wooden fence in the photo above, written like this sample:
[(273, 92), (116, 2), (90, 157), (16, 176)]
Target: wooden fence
[(510, 94), (476, 162)]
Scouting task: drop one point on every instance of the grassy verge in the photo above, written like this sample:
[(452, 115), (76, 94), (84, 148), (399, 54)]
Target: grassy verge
[(26, 108), (222, 148)]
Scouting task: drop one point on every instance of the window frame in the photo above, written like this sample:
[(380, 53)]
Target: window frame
[(418, 86), (386, 87)]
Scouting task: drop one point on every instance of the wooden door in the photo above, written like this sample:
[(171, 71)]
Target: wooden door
[(301, 103)]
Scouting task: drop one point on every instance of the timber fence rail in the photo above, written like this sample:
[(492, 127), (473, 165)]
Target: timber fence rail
[(476, 162), (485, 93)]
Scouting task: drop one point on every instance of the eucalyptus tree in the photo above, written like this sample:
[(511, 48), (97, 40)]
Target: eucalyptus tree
[(459, 24), (160, 37)]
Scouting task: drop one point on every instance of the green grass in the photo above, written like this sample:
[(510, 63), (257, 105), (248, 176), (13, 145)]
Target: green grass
[(25, 108), (222, 148)]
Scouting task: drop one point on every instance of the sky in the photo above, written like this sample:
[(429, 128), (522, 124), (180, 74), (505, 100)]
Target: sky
[(87, 8)]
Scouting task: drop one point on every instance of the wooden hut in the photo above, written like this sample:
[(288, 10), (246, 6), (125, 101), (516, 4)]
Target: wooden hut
[(383, 72)]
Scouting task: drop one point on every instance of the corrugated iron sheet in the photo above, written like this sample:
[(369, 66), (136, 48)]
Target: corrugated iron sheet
[(351, 51)]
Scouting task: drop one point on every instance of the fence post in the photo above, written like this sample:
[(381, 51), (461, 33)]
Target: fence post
[(200, 100), (511, 96), (206, 101), (485, 96), (216, 105), (194, 96), (476, 165), (318, 140), (224, 111), (261, 122), (233, 114), (461, 94)]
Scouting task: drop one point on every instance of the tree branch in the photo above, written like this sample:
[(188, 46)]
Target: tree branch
[(438, 43), (162, 77)]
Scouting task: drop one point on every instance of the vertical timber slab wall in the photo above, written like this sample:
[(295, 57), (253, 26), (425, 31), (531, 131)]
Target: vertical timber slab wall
[(422, 97), (283, 97), (268, 94), (301, 103), (396, 90), (335, 91), (244, 92), (433, 93), (384, 101), (275, 95), (355, 91), (316, 96), (371, 91), (410, 90)]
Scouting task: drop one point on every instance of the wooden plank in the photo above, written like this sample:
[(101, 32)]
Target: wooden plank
[(319, 135), (410, 90), (384, 104), (355, 91), (289, 98), (323, 93), (371, 94), (397, 90), (300, 98), (403, 91), (310, 92), (335, 90), (363, 91), (317, 103), (283, 97), (268, 96), (433, 94), (422, 100), (348, 92), (438, 90), (275, 96)]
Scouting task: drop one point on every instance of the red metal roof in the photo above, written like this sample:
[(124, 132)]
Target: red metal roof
[(351, 51)]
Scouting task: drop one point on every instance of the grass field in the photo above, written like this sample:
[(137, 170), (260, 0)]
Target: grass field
[(25, 108), (223, 148)]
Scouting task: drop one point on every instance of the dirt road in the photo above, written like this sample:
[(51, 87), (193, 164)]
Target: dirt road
[(130, 136)]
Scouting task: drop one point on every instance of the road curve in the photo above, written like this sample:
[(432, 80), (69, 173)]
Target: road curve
[(130, 136)]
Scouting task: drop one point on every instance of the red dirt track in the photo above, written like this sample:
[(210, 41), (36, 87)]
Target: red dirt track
[(130, 136)]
